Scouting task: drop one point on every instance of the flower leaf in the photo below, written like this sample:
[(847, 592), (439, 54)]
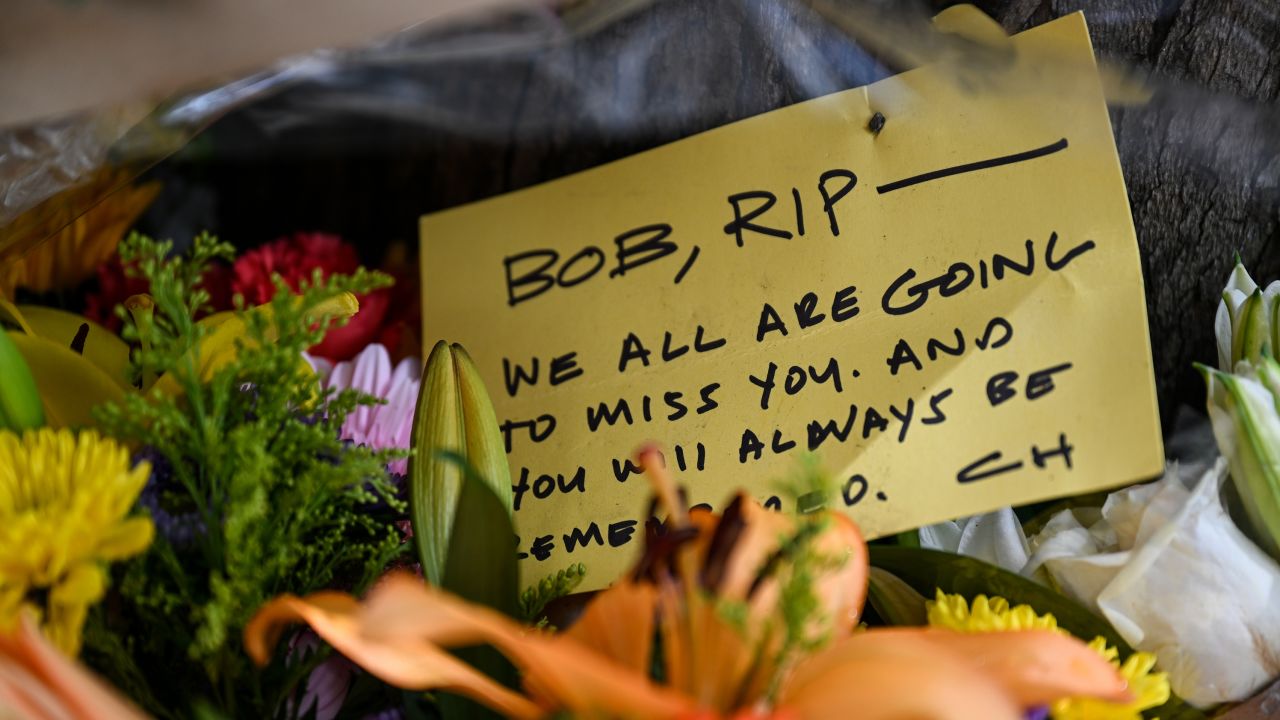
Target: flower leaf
[(20, 406), (929, 570), (480, 567), (896, 602)]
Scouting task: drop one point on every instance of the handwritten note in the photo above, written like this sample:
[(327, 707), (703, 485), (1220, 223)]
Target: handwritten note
[(948, 313)]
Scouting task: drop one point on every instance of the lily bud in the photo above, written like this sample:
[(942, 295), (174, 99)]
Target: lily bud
[(454, 415), (1246, 325), (1246, 423)]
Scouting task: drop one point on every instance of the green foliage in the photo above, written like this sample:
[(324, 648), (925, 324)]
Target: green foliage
[(535, 598), (799, 601), (271, 500), (797, 565), (808, 485)]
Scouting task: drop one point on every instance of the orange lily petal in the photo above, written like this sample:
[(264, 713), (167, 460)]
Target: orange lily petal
[(576, 678), (1026, 668), (720, 656), (844, 591), (40, 682), (406, 661), (874, 676), (760, 537), (841, 591), (25, 696), (1036, 666), (707, 657), (399, 633), (677, 645), (618, 624)]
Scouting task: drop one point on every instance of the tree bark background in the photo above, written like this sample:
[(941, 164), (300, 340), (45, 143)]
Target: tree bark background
[(1202, 159)]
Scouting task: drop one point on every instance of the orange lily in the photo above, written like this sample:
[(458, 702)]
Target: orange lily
[(720, 592), (39, 683)]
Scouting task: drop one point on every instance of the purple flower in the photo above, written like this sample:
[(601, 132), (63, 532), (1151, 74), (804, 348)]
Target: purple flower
[(172, 510), (327, 685)]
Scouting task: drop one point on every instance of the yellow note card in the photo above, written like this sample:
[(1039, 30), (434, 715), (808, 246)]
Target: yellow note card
[(948, 314)]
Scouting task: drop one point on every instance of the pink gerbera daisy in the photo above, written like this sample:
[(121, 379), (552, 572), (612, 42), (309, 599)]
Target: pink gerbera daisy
[(382, 427)]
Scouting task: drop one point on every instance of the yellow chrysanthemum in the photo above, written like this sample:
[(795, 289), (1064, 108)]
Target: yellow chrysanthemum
[(64, 501), (985, 614), (1149, 689)]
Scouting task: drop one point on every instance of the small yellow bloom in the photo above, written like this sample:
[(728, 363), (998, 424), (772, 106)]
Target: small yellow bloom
[(64, 501), (1149, 689), (993, 614), (985, 615)]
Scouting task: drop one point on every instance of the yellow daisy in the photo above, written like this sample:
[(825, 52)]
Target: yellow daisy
[(985, 614), (64, 504)]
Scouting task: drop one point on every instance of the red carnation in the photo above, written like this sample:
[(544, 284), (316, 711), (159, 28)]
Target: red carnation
[(115, 286), (295, 259)]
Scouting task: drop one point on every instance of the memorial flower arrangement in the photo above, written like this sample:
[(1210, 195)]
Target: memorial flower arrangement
[(226, 492)]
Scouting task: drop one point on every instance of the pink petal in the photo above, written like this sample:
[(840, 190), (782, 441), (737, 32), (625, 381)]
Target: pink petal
[(372, 371)]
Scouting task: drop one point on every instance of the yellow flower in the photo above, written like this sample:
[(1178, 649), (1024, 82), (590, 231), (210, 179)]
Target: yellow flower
[(1148, 689), (71, 383), (985, 615), (64, 501), (63, 250)]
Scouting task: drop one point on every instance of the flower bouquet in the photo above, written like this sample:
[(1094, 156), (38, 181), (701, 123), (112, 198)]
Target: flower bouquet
[(245, 503), (235, 483)]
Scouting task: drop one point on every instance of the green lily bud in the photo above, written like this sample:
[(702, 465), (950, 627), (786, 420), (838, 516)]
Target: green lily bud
[(1246, 423), (1250, 329), (1274, 307), (454, 414), (20, 406), (1246, 324)]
